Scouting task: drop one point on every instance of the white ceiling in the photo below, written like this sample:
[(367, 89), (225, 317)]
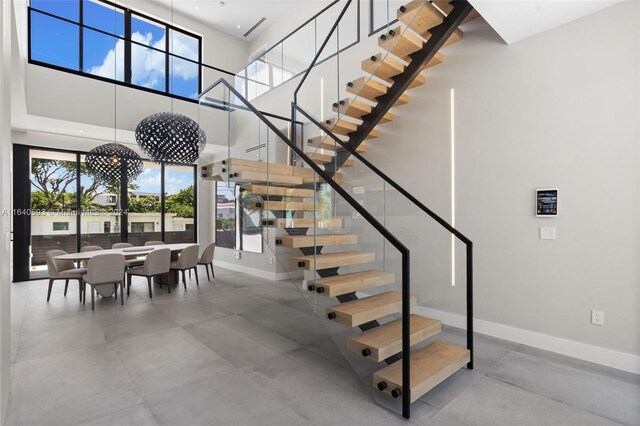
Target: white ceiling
[(515, 20), (234, 13)]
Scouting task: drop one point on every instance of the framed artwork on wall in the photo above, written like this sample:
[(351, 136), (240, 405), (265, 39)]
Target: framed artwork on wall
[(547, 202)]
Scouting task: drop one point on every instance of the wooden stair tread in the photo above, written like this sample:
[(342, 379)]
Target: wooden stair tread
[(333, 260), (279, 191), (247, 171), (249, 176), (344, 127), (299, 241), (386, 340), (286, 205), (325, 142), (386, 68), (446, 7), (429, 367), (369, 308), (369, 89), (303, 222), (353, 281), (356, 109), (420, 16), (403, 44), (326, 159)]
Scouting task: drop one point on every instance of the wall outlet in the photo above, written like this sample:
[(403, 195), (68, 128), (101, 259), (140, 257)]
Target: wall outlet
[(270, 260), (236, 255), (597, 317)]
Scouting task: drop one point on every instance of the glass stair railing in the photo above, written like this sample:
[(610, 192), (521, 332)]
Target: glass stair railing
[(342, 231)]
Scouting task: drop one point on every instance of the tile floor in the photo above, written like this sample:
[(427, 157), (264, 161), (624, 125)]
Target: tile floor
[(244, 351)]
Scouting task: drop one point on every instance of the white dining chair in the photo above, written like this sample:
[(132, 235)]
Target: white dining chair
[(157, 263), (63, 270), (86, 249), (207, 259), (104, 269), (187, 260), (131, 260), (154, 243)]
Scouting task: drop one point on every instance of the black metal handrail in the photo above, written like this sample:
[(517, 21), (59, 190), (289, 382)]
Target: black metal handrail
[(347, 150), (404, 251), (315, 58)]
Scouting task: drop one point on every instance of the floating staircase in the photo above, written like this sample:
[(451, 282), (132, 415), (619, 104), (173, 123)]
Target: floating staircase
[(365, 300)]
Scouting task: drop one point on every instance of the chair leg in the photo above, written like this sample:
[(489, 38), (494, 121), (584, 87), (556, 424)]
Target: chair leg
[(84, 293), (80, 288), (128, 284), (212, 274), (66, 286), (49, 291), (168, 285), (195, 271), (93, 298), (149, 284), (184, 280), (207, 268), (115, 292), (121, 293)]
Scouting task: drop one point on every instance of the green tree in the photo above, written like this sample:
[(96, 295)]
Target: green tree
[(181, 203)]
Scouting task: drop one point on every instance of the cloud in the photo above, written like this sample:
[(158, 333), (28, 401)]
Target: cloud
[(147, 65)]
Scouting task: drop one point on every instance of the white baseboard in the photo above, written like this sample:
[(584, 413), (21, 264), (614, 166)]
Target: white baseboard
[(610, 358), (260, 273)]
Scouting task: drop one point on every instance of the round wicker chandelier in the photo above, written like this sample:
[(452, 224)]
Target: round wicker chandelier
[(105, 162), (170, 138)]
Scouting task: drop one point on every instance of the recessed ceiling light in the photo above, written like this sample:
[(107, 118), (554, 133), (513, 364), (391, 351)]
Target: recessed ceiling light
[(80, 131), (197, 7), (238, 25)]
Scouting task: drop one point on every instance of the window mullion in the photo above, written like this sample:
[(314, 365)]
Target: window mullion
[(127, 46), (166, 59)]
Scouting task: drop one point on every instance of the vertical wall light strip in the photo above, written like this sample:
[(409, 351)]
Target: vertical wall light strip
[(453, 185)]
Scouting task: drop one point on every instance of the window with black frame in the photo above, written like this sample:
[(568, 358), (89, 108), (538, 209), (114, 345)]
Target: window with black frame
[(70, 208), (99, 39)]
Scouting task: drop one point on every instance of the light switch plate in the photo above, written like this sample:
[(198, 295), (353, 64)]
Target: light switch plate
[(547, 233)]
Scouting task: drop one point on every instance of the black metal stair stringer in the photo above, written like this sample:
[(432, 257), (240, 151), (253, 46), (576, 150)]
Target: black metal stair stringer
[(439, 35)]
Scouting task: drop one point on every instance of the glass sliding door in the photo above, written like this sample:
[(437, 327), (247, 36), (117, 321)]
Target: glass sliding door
[(53, 207), (145, 210), (100, 212), (67, 208), (179, 204)]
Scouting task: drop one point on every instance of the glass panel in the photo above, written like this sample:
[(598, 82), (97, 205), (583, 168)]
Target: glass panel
[(103, 55), (183, 80), (145, 214), (53, 206), (147, 32), (384, 12), (226, 215), (148, 65), (179, 204), (299, 49), (257, 78), (100, 215), (54, 41), (103, 17), (68, 9), (181, 44)]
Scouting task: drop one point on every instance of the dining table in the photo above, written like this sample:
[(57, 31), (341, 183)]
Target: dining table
[(130, 252)]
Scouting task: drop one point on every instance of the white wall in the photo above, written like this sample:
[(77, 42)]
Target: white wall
[(559, 109), (5, 203)]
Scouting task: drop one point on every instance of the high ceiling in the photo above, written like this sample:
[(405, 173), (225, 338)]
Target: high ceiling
[(234, 17), (515, 20)]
